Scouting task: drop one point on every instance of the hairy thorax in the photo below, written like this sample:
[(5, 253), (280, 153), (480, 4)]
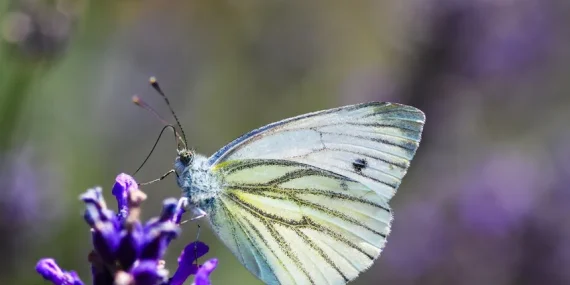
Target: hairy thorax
[(197, 182)]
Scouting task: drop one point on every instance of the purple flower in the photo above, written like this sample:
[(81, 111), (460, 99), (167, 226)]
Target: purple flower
[(186, 262), (203, 275), (126, 251), (50, 271)]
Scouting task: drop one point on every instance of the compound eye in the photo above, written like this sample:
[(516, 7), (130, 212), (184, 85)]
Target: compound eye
[(186, 158)]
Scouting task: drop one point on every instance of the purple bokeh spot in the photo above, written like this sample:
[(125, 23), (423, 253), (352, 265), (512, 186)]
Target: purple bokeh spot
[(500, 193), (418, 241), (501, 37)]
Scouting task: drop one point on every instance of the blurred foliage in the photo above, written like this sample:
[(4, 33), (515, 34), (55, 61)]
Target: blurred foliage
[(485, 201)]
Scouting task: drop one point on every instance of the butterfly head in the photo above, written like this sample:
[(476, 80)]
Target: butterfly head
[(185, 161), (185, 157)]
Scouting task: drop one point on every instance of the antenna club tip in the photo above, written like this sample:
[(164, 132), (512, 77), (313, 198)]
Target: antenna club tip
[(136, 99), (152, 80)]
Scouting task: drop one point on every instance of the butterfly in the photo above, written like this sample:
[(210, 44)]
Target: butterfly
[(305, 200)]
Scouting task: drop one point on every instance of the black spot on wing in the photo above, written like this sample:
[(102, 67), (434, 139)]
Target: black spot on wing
[(359, 164)]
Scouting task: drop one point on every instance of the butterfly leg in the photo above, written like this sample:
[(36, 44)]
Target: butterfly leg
[(158, 179), (198, 214), (183, 203)]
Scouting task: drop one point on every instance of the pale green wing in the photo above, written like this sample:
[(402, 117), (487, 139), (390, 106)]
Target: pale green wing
[(385, 136), (292, 223), (305, 200)]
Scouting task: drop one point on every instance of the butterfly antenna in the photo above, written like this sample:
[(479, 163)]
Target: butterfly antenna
[(139, 102), (156, 87), (155, 144)]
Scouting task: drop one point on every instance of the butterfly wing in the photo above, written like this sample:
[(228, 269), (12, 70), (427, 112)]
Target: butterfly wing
[(382, 136), (292, 223), (305, 200)]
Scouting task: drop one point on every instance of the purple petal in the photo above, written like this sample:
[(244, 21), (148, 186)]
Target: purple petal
[(157, 238), (172, 210), (169, 210), (94, 202), (50, 271), (106, 240), (104, 224), (192, 251), (72, 275), (180, 210), (130, 245), (147, 273), (124, 184), (101, 276), (203, 275), (94, 196), (96, 208), (186, 262), (182, 273)]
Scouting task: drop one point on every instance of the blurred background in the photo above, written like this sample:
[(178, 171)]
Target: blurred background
[(486, 200)]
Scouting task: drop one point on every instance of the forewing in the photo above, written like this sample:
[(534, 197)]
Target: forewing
[(293, 223), (371, 143)]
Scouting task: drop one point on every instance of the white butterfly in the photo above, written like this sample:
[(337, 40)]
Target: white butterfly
[(305, 200)]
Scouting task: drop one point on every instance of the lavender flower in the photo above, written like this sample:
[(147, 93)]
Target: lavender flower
[(125, 251), (50, 271)]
